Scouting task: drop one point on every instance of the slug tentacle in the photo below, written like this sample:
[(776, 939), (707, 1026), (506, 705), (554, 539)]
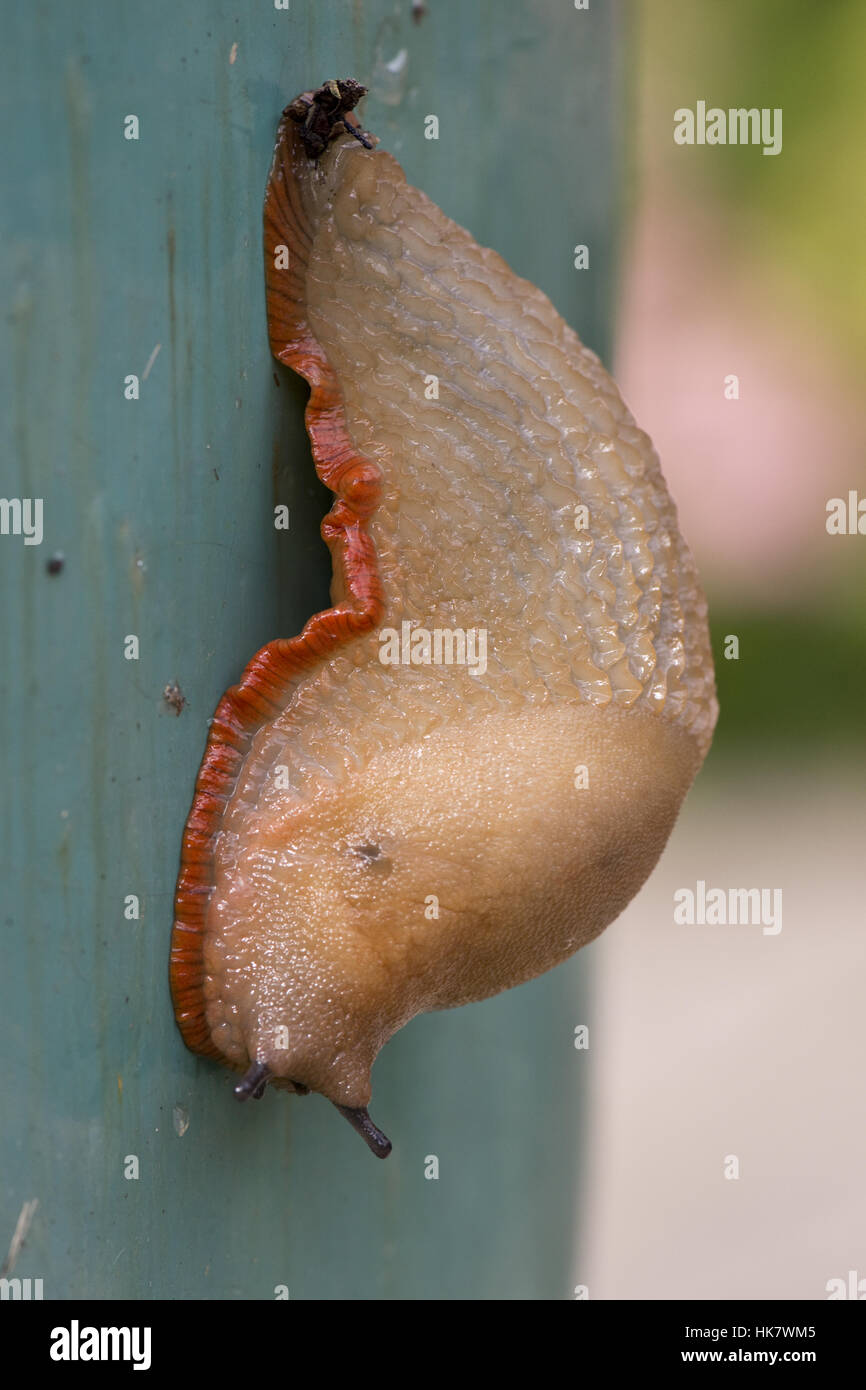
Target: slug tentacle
[(464, 769), (376, 1141), (253, 1083)]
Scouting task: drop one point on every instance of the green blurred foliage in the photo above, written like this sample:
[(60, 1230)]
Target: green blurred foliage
[(800, 679), (805, 209), (798, 682)]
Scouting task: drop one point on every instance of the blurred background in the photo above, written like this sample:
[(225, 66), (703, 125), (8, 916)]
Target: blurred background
[(712, 1042)]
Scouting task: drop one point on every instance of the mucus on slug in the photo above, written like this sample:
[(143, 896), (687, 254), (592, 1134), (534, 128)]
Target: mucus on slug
[(294, 969)]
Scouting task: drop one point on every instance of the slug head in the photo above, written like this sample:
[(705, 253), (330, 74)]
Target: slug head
[(419, 883)]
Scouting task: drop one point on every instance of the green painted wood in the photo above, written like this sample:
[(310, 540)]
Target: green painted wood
[(162, 508)]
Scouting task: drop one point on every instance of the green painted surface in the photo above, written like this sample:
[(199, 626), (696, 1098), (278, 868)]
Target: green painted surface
[(162, 508)]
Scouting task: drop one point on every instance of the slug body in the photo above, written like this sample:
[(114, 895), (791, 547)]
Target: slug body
[(379, 830)]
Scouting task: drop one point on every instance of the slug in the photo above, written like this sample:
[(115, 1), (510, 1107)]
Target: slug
[(463, 770)]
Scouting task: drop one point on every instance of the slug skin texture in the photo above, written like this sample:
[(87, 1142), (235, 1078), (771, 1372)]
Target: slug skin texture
[(374, 839)]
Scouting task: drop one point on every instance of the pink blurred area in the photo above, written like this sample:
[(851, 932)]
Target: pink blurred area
[(716, 1043), (752, 476)]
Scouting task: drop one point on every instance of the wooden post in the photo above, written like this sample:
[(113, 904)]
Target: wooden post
[(141, 405)]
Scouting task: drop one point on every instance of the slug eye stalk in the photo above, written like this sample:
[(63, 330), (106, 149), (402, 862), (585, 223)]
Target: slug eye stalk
[(377, 1142), (253, 1082)]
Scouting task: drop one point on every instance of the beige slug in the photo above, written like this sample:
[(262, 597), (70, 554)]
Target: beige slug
[(463, 771)]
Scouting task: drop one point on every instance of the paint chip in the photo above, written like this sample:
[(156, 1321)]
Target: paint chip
[(26, 1215), (150, 361)]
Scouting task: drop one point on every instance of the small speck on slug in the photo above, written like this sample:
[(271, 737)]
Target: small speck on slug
[(340, 795)]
